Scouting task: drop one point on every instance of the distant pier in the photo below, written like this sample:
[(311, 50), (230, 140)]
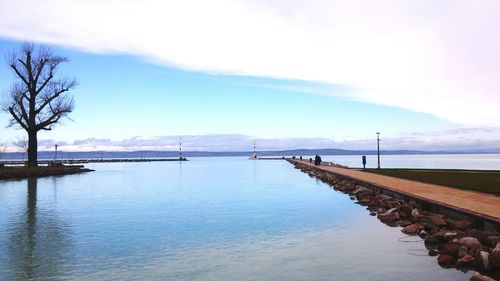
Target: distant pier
[(92, 160)]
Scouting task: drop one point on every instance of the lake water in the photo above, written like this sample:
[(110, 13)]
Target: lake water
[(431, 161), (205, 219)]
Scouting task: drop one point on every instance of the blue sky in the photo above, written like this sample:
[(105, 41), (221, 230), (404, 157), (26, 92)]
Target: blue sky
[(131, 96)]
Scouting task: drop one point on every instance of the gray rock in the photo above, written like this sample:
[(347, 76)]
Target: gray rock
[(438, 220), (413, 229), (497, 248), (482, 260), (389, 216), (415, 212), (449, 235), (470, 242), (462, 251), (479, 277), (493, 240)]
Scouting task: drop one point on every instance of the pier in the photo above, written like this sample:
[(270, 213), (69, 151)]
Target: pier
[(480, 207), (91, 160)]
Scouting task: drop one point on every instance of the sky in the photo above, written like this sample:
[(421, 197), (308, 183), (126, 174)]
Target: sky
[(291, 74)]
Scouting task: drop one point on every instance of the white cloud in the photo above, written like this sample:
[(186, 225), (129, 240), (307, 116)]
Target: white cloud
[(459, 139), (438, 57)]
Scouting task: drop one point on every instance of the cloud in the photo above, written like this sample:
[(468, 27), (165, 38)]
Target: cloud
[(477, 131), (438, 57), (238, 142)]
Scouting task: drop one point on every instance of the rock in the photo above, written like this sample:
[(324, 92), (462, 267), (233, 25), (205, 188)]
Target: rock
[(404, 211), (364, 201), (497, 247), (482, 236), (450, 248), (413, 204), (415, 212), (412, 229), (482, 260), (393, 203), (382, 197), (493, 240), (470, 242), (434, 238), (449, 235), (446, 260), (359, 189), (404, 223), (389, 216), (462, 251), (422, 218), (459, 224), (479, 277), (433, 253), (465, 260), (429, 226), (373, 202), (438, 220), (494, 259)]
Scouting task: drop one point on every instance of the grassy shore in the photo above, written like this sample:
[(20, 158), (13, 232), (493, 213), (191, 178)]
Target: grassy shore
[(482, 181), (41, 171)]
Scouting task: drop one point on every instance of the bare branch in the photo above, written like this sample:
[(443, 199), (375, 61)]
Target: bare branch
[(17, 118), (55, 92), (14, 67), (21, 143)]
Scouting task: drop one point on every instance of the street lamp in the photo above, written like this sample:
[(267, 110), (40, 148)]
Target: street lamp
[(378, 150)]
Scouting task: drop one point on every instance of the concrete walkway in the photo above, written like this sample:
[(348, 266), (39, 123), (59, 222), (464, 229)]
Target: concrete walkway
[(475, 203)]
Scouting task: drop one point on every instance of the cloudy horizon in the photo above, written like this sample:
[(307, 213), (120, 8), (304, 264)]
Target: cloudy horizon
[(450, 140)]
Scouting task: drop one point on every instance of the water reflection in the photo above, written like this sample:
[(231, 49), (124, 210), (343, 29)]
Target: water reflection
[(202, 220), (39, 241)]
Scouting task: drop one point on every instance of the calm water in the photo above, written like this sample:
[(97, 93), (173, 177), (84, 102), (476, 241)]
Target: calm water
[(206, 219), (435, 161)]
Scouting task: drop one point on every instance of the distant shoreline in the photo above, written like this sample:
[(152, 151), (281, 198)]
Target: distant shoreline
[(66, 155)]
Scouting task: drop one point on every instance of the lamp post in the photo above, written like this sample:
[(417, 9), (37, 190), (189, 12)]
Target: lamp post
[(378, 150)]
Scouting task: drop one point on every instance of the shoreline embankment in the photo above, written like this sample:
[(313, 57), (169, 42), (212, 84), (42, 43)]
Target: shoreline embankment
[(19, 172), (460, 238)]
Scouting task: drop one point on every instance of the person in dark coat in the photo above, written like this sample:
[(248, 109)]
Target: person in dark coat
[(317, 160)]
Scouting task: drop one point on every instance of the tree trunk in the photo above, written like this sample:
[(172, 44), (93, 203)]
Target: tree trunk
[(32, 149)]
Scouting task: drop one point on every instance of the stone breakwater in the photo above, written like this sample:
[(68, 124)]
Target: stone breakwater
[(455, 243)]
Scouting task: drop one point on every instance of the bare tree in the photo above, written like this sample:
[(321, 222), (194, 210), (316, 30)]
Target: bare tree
[(38, 99)]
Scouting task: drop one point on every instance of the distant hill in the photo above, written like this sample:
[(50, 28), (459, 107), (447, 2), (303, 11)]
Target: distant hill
[(279, 153)]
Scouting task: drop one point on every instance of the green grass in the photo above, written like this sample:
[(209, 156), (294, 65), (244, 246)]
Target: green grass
[(482, 181)]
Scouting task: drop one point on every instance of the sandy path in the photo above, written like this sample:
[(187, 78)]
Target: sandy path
[(481, 204)]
